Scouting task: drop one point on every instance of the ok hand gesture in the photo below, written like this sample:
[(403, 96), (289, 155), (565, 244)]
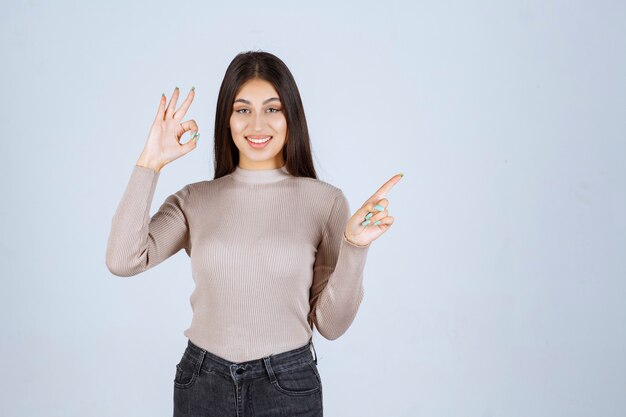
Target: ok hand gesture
[(372, 219), (163, 144)]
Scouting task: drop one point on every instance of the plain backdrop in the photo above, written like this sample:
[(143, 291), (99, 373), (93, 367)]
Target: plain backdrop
[(499, 290)]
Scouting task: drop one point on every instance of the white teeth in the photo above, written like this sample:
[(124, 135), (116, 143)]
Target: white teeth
[(259, 140)]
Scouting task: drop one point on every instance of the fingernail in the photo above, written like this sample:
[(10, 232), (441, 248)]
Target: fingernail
[(379, 207), (368, 216), (365, 223), (176, 88), (193, 88), (377, 222), (197, 137), (401, 174)]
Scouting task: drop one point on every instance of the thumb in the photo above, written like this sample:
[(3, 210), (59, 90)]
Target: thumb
[(192, 143)]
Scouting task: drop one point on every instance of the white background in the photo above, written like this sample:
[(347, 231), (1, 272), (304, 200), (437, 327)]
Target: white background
[(499, 290)]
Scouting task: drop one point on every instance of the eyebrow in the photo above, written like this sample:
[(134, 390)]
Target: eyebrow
[(243, 100)]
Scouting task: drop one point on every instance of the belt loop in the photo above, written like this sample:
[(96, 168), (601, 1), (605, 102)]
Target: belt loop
[(269, 369), (200, 362), (311, 344)]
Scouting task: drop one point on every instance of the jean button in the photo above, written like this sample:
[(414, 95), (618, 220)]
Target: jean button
[(240, 371)]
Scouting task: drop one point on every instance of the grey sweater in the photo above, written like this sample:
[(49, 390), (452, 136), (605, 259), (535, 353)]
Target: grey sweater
[(268, 255)]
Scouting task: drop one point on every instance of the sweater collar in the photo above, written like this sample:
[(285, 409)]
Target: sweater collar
[(260, 176)]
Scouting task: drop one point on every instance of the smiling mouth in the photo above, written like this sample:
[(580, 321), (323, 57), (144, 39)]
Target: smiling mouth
[(260, 140)]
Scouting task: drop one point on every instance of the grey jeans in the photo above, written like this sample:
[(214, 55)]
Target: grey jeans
[(284, 384)]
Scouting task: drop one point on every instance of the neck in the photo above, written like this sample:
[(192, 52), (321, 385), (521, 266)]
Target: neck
[(260, 176)]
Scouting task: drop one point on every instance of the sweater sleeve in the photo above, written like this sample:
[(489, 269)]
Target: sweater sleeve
[(138, 242), (337, 289)]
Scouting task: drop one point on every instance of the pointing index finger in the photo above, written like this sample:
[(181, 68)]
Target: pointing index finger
[(386, 187)]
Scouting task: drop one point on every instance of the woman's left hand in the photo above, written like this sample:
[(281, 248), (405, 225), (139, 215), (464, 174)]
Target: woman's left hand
[(372, 219)]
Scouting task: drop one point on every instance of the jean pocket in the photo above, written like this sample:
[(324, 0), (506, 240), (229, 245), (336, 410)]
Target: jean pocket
[(300, 380), (186, 372)]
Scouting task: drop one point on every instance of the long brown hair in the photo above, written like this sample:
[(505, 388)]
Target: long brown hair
[(268, 67)]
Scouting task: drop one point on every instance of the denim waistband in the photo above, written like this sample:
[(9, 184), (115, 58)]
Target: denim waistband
[(210, 362)]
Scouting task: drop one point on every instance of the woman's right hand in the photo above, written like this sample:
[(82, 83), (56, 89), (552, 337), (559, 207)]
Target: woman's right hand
[(163, 143)]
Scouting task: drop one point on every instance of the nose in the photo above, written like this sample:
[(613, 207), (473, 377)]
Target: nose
[(258, 122)]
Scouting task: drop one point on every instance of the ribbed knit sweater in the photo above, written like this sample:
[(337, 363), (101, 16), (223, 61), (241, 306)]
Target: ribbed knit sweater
[(268, 255)]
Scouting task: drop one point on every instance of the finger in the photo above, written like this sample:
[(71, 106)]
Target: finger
[(375, 212), (369, 209), (378, 217), (161, 109), (375, 206), (180, 113), (172, 104), (189, 126), (191, 144), (385, 223), (382, 191)]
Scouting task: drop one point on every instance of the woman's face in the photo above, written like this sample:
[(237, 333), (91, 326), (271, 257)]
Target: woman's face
[(257, 114)]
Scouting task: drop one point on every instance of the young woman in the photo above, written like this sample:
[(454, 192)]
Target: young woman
[(274, 251)]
